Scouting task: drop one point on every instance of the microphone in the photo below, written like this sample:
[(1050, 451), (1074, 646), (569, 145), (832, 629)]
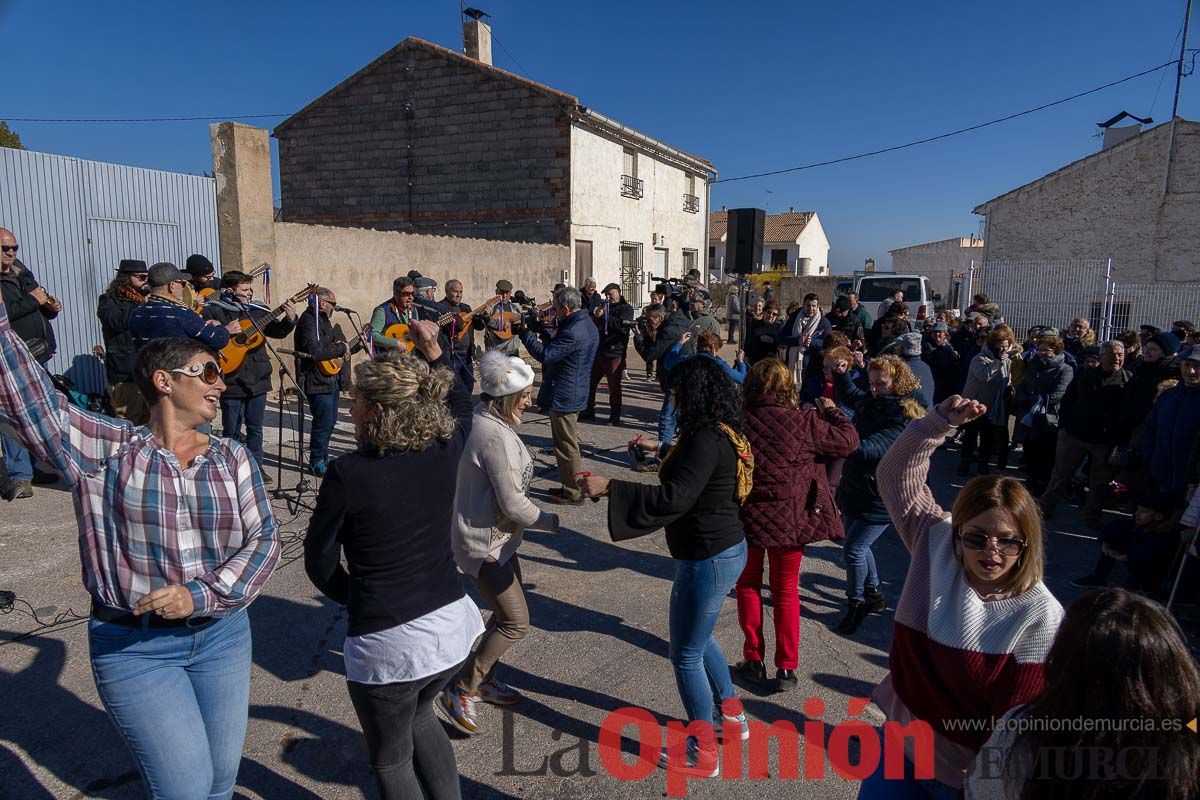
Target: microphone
[(346, 310), (295, 353)]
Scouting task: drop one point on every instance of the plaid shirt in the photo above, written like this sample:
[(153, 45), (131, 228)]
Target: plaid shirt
[(145, 521)]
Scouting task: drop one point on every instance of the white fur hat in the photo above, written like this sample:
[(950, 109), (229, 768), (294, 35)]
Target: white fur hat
[(501, 375)]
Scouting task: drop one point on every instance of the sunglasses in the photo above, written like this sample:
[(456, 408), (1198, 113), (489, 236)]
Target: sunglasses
[(209, 371), (979, 541), (10, 248)]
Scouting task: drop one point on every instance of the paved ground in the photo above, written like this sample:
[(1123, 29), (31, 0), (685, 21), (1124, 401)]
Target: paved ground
[(599, 642)]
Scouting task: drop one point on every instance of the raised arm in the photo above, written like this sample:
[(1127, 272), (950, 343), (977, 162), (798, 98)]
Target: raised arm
[(74, 441), (236, 582), (903, 472), (636, 509)]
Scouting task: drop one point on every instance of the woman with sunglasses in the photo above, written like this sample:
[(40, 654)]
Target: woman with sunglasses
[(177, 537), (974, 623), (127, 290)]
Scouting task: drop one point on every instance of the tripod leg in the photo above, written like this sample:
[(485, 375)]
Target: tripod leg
[(279, 440)]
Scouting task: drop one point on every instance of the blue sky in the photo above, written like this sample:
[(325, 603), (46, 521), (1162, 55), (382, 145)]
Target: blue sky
[(774, 85)]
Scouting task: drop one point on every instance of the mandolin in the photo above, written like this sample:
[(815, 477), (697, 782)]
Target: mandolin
[(399, 331), (333, 366), (233, 355)]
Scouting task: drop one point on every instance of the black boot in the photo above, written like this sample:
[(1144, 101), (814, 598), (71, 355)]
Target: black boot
[(874, 600), (7, 599), (855, 614), (752, 671), (786, 680)]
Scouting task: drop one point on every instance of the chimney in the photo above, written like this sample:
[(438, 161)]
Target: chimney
[(477, 40)]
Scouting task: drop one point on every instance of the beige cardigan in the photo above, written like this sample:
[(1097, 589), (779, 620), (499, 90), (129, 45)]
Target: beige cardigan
[(489, 501)]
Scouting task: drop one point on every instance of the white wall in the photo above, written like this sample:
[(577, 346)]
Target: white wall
[(600, 214), (939, 261), (812, 243)]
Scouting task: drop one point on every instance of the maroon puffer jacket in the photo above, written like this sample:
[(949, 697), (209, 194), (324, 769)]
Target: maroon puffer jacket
[(791, 504)]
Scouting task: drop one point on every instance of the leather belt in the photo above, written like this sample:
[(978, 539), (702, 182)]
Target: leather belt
[(119, 616)]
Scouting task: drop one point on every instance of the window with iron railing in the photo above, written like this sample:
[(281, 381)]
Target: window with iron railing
[(691, 203), (631, 187)]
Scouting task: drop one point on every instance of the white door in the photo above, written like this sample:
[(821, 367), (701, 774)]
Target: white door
[(661, 266)]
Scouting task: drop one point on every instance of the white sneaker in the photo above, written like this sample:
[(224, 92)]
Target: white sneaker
[(737, 726), (460, 708)]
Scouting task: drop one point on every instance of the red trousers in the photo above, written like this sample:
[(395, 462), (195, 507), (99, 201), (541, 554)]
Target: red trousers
[(610, 369), (785, 603)]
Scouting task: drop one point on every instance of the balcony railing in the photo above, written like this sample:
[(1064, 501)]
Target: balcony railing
[(691, 204), (631, 187)]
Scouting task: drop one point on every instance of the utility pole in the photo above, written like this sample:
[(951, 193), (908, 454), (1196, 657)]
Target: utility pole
[(1187, 18)]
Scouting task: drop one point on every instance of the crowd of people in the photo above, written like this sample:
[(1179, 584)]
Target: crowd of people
[(822, 428)]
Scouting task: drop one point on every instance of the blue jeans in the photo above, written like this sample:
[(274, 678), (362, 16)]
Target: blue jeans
[(666, 423), (251, 410), (699, 590), (324, 416), (16, 460), (179, 698), (878, 787), (858, 558)]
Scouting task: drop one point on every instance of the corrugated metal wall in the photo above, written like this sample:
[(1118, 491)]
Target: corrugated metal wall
[(75, 220)]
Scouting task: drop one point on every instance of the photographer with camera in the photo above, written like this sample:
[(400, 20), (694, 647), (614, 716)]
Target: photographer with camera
[(658, 332), (614, 321)]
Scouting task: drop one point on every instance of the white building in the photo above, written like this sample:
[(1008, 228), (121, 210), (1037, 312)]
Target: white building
[(945, 262), (794, 241)]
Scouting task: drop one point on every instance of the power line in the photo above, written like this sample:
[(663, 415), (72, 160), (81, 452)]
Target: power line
[(940, 136), (143, 119), (1163, 77)]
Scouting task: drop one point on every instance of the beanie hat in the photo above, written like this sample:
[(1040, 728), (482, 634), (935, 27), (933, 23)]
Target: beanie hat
[(501, 375), (198, 266), (842, 303), (1168, 341)]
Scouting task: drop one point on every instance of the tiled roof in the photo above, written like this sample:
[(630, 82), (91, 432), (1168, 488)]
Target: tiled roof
[(785, 227)]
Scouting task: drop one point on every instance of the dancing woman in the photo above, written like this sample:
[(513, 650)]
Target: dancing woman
[(703, 480), (411, 623), (491, 513), (176, 537), (975, 622)]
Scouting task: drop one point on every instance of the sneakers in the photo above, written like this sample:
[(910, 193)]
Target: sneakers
[(752, 671), (735, 726), (649, 466), (786, 680), (267, 478), (1090, 581), (498, 693), (459, 707), (17, 490), (697, 763), (7, 599)]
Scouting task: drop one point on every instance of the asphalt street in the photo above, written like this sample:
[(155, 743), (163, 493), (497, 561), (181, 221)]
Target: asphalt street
[(598, 643)]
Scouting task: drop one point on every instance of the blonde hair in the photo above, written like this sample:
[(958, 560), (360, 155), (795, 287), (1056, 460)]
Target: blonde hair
[(771, 377), (408, 400), (988, 492), (904, 383), (505, 406)]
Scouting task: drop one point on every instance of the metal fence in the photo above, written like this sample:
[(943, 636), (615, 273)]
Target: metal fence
[(1032, 292), (75, 220), (1036, 292)]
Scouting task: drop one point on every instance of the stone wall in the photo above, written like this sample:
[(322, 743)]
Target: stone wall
[(1111, 206), (427, 140), (359, 264)]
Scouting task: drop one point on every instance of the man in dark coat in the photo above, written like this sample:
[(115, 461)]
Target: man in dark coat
[(126, 292), (567, 365), (614, 321), (30, 310), (589, 297), (461, 349), (657, 335), (317, 341), (245, 395), (1089, 427), (943, 362), (1170, 434)]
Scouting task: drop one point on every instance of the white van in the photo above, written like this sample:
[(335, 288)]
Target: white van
[(874, 289)]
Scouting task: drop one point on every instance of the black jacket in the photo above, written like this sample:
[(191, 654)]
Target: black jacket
[(25, 315), (1090, 407), (756, 349), (396, 572), (466, 345), (1140, 394), (1049, 379), (323, 347), (590, 302), (655, 350), (614, 330), (943, 363), (254, 376), (695, 500), (114, 312), (851, 326), (879, 422)]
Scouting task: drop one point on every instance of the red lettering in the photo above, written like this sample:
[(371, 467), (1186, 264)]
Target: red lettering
[(814, 739), (677, 758), (760, 750), (894, 751), (649, 743), (868, 751)]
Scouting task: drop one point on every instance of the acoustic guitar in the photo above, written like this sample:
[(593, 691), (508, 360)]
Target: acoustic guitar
[(233, 355), (400, 332)]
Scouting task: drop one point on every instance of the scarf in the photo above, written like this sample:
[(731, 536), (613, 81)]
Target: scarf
[(804, 326), (745, 461)]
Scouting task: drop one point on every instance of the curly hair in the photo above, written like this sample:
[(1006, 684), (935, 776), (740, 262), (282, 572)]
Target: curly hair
[(770, 377), (409, 402), (705, 396), (904, 383)]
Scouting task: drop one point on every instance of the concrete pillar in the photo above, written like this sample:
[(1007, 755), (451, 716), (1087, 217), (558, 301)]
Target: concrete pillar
[(245, 198)]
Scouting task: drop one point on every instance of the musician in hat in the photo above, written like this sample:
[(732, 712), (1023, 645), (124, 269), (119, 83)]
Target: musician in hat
[(202, 275), (497, 326), (127, 290)]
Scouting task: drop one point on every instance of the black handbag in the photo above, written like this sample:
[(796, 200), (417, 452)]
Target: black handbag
[(39, 348)]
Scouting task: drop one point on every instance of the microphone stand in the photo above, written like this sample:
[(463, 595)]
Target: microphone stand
[(303, 485)]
